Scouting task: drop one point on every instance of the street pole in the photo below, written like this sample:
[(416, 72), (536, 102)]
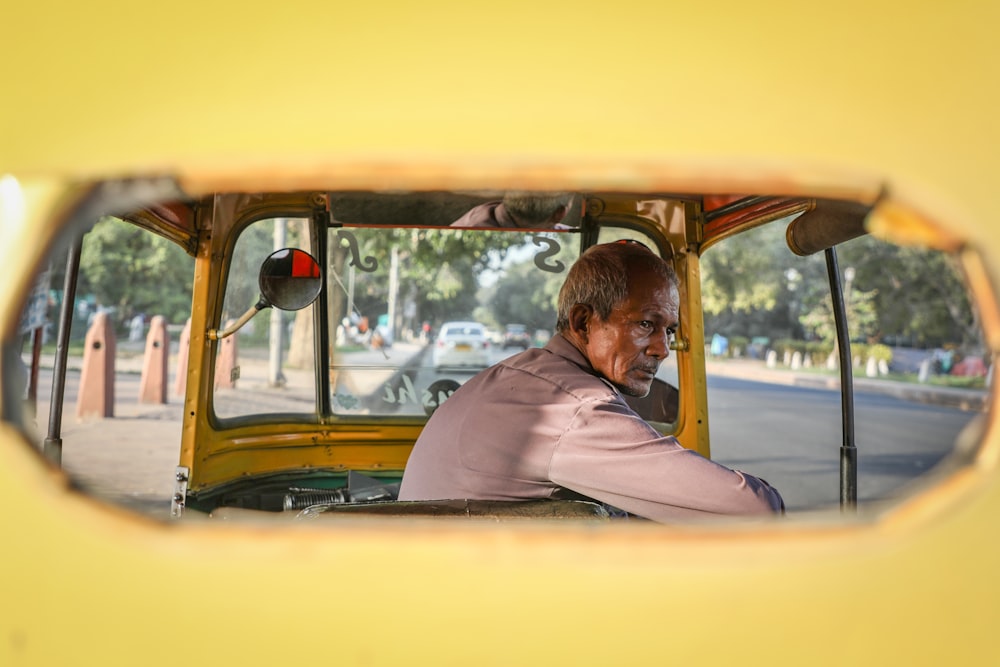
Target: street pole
[(275, 378)]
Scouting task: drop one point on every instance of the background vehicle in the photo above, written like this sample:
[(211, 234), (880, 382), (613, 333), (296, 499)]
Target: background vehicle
[(462, 344), (720, 107), (516, 335)]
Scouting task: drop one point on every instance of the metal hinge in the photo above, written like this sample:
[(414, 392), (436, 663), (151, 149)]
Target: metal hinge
[(181, 475)]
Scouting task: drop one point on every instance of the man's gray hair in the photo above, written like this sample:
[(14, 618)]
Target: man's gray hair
[(536, 207), (599, 278)]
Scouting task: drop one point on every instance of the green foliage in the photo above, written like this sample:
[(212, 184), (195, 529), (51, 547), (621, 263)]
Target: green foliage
[(526, 295), (133, 271), (439, 269), (880, 353), (255, 243), (862, 317), (742, 275), (859, 352), (738, 345), (754, 286), (920, 293), (818, 352)]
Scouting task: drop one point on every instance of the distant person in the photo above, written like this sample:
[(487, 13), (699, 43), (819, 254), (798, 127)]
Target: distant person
[(521, 209), (552, 422), (136, 327)]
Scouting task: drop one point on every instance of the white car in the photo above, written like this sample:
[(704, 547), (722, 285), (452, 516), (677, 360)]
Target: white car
[(461, 344)]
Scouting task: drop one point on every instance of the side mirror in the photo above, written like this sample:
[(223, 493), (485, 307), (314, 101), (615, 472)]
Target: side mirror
[(659, 405), (289, 280)]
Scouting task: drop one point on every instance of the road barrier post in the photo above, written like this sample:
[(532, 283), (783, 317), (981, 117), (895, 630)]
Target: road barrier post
[(153, 382), (96, 396)]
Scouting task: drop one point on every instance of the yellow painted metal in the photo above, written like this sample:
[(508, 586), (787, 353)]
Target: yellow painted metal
[(727, 97), (693, 425), (216, 452)]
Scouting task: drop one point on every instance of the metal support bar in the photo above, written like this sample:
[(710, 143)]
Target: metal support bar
[(321, 221), (848, 452), (52, 447)]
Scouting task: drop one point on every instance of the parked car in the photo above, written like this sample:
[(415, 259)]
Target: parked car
[(461, 344), (516, 335)]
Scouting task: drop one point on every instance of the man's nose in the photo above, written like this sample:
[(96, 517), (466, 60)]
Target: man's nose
[(659, 344)]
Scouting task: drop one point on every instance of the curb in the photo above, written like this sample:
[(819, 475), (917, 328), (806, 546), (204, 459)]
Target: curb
[(970, 400)]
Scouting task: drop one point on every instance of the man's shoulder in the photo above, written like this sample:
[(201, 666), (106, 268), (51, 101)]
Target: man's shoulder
[(562, 372)]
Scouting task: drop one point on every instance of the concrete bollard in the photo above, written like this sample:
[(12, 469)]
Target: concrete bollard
[(925, 371), (772, 359), (153, 382), (226, 365), (96, 396), (180, 384), (796, 360)]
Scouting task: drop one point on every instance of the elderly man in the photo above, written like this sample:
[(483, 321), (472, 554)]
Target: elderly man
[(553, 423)]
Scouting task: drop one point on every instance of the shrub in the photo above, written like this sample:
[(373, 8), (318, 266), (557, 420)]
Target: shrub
[(738, 346), (880, 353)]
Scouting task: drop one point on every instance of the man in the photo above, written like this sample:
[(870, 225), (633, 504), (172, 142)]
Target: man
[(520, 209), (552, 422)]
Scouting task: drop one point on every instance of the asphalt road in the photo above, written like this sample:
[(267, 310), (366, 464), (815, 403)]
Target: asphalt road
[(791, 436)]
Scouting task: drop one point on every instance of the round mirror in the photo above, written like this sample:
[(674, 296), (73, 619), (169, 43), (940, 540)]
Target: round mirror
[(290, 279)]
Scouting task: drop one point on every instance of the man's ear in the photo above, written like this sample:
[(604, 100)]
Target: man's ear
[(579, 319)]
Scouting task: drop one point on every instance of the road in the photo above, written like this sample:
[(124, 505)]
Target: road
[(788, 435), (897, 440), (791, 436)]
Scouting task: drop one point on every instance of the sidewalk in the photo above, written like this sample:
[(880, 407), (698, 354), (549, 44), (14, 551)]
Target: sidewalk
[(129, 459), (756, 370)]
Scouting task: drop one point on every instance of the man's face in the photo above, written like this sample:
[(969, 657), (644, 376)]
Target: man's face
[(628, 347)]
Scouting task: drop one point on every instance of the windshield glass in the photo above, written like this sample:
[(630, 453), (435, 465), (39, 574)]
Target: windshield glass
[(413, 307), (268, 366)]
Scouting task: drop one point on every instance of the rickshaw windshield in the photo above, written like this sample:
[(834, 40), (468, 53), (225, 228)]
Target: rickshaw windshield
[(409, 315), (416, 312)]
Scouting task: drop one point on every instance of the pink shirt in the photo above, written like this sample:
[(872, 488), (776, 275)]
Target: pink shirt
[(490, 214), (542, 421)]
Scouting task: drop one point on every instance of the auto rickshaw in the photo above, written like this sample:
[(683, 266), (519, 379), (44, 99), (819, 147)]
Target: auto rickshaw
[(335, 435), (275, 550)]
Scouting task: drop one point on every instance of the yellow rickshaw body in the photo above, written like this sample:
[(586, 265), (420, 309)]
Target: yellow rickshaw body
[(847, 101)]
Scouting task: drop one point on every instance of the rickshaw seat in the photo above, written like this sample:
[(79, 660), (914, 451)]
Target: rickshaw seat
[(488, 510)]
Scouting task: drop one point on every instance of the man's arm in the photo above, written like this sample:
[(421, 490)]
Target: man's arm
[(612, 455)]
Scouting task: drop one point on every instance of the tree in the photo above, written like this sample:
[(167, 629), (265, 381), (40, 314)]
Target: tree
[(920, 293), (754, 286), (136, 271), (439, 269), (524, 294)]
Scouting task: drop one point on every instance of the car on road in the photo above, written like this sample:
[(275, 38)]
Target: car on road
[(461, 345), (516, 335)]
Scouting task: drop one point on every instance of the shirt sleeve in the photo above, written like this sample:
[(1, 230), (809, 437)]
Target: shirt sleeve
[(610, 454)]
